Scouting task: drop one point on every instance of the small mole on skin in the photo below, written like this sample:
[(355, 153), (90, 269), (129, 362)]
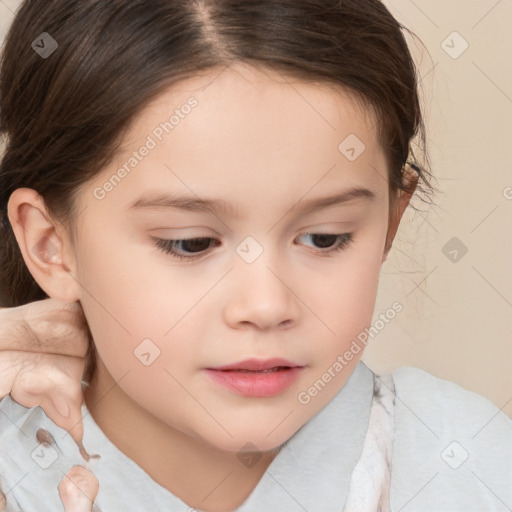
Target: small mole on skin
[(43, 436)]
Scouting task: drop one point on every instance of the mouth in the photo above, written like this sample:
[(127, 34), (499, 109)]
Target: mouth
[(259, 365), (255, 378), (266, 370)]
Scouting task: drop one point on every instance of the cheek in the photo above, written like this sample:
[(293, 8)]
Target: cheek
[(118, 279), (143, 316), (350, 284), (345, 302)]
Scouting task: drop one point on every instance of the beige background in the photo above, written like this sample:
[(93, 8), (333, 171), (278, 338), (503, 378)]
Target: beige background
[(457, 316)]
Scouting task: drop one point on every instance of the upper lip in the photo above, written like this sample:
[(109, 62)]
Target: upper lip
[(257, 364)]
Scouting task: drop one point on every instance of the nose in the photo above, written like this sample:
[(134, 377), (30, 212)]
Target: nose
[(261, 295)]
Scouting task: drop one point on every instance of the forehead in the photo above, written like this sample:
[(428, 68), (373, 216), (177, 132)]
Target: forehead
[(259, 100), (249, 128)]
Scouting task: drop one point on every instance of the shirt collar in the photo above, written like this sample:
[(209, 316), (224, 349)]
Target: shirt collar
[(312, 471)]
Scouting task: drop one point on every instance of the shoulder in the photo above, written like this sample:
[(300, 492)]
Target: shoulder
[(14, 418), (30, 471), (448, 405), (16, 447), (423, 386), (449, 442)]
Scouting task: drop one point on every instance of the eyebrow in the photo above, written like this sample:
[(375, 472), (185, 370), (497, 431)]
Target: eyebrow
[(158, 201)]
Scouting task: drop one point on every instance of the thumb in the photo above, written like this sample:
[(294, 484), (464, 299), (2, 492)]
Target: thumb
[(65, 411), (78, 490), (57, 392), (69, 417)]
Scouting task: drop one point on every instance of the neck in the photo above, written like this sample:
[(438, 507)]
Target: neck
[(198, 473)]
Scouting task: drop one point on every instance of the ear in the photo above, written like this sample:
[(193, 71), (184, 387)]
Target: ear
[(397, 209), (44, 247)]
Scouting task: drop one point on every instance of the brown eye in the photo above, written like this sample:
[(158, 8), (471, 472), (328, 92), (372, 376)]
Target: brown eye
[(326, 241), (195, 246)]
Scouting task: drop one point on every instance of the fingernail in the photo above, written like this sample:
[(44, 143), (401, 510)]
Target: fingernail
[(61, 405)]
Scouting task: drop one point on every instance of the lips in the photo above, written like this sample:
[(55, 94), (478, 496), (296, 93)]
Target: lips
[(258, 365), (256, 377)]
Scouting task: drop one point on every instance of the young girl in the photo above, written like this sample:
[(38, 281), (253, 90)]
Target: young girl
[(218, 184)]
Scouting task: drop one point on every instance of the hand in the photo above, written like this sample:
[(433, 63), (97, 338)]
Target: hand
[(78, 490), (42, 357)]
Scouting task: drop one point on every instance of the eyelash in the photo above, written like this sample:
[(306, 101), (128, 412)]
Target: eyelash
[(167, 246)]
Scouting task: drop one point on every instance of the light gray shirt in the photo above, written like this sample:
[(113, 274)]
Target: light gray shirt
[(451, 451)]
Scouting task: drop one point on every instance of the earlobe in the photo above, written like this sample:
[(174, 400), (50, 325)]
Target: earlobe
[(42, 246)]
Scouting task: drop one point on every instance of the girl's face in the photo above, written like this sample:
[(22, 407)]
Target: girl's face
[(260, 283)]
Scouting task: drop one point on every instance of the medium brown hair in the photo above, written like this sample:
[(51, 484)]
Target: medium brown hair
[(64, 117)]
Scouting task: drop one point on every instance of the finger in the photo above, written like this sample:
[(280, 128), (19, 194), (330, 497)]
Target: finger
[(9, 368), (21, 366), (42, 374), (61, 327), (49, 326), (78, 490), (3, 502), (53, 384)]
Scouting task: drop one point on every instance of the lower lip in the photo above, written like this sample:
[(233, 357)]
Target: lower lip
[(257, 384)]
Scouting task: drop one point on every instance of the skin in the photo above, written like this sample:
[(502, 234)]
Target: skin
[(42, 349), (263, 145), (78, 490), (42, 357)]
